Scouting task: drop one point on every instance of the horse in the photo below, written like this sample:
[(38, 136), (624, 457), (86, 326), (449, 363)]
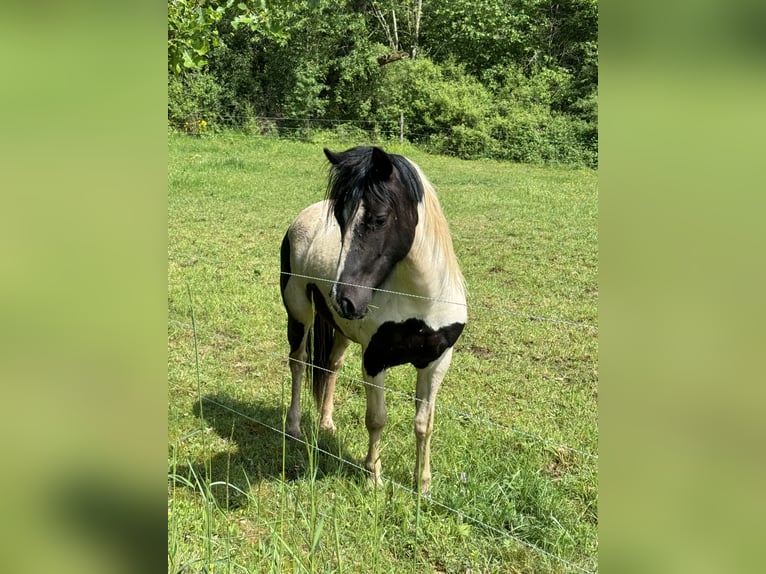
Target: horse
[(372, 263)]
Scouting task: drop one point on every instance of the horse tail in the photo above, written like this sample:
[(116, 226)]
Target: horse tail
[(319, 348)]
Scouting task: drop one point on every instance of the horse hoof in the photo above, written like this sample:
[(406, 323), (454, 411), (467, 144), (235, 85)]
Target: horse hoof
[(425, 484), (373, 484), (374, 481), (327, 425), (295, 433)]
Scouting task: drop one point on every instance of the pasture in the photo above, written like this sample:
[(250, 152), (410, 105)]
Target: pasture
[(515, 438)]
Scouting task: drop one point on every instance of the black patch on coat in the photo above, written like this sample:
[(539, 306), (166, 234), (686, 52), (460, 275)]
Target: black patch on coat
[(409, 342), (295, 331), (320, 305), (284, 255), (295, 328)]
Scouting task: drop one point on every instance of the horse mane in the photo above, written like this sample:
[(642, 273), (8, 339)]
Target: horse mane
[(437, 242), (352, 178)]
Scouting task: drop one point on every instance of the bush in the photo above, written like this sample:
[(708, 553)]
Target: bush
[(510, 116), (564, 134), (535, 135), (253, 125), (453, 113), (194, 102), (350, 132), (443, 106), (463, 142), (519, 135)]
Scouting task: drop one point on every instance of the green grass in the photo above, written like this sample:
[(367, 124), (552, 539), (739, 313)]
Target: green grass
[(505, 496)]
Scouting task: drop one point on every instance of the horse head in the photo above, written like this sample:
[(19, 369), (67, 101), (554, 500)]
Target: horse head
[(374, 198)]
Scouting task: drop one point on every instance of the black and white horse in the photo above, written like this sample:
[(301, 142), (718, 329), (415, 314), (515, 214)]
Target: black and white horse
[(345, 263)]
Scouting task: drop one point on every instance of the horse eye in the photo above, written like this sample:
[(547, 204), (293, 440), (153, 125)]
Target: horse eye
[(375, 221)]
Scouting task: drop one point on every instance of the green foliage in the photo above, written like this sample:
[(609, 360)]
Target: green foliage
[(191, 31), (511, 116), (257, 126), (305, 99), (481, 33), (194, 102), (547, 87), (511, 81), (433, 98), (532, 34), (320, 65), (462, 141), (535, 135)]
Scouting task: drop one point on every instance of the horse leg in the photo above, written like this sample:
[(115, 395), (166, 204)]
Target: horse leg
[(375, 420), (337, 355), (297, 334), (429, 381)]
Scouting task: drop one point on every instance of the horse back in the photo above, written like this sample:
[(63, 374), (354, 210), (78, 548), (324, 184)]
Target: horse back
[(314, 243)]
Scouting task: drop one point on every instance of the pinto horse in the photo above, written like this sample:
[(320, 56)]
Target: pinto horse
[(372, 263)]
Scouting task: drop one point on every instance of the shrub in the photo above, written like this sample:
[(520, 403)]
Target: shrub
[(519, 135), (433, 98), (515, 118), (253, 125), (463, 142), (193, 102), (350, 132), (534, 134), (565, 145), (306, 99)]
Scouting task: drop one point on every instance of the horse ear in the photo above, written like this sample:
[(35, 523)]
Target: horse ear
[(381, 163), (333, 157)]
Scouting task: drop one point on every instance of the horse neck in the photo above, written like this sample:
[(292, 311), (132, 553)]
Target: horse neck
[(430, 268)]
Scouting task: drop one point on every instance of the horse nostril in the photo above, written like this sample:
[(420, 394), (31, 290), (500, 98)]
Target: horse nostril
[(347, 307)]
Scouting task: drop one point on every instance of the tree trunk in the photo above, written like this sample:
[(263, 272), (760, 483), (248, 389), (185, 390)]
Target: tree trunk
[(416, 36)]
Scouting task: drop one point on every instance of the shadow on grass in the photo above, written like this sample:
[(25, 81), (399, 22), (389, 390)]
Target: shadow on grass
[(261, 451)]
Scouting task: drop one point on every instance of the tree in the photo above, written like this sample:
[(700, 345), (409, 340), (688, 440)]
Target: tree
[(481, 34), (408, 22), (192, 32), (193, 27)]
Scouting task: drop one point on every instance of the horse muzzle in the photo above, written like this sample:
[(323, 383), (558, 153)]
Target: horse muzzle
[(347, 305)]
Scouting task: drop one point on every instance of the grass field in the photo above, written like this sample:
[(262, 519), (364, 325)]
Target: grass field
[(515, 476)]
